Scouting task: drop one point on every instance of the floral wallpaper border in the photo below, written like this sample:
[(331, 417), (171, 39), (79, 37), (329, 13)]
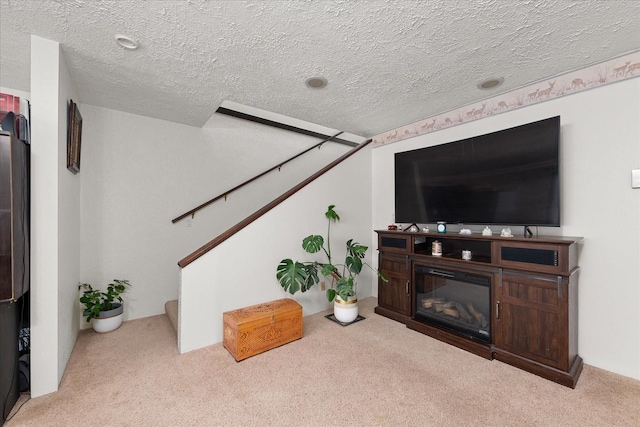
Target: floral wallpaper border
[(611, 71)]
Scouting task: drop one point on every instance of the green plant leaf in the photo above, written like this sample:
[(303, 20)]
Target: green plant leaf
[(296, 276), (312, 244), (345, 287), (355, 249), (345, 283), (290, 275), (311, 279), (354, 264), (331, 214), (96, 301), (331, 294), (328, 269)]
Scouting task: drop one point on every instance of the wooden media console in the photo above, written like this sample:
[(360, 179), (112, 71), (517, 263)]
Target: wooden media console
[(515, 300)]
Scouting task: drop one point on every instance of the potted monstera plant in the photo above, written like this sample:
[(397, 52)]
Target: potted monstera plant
[(297, 276), (104, 310)]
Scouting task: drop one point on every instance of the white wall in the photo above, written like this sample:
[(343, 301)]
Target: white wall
[(68, 228), (242, 270), (600, 147), (139, 173), (54, 220)]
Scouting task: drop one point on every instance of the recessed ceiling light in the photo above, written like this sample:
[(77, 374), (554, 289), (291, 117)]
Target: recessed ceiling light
[(491, 83), (316, 82), (126, 42)]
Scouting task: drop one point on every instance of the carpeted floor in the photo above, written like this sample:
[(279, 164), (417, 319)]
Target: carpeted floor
[(372, 373)]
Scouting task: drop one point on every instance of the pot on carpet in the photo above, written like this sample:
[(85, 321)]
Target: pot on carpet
[(105, 310), (345, 311), (109, 320), (297, 276)]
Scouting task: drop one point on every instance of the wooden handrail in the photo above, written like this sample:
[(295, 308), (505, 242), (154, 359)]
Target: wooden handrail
[(237, 187), (248, 220)]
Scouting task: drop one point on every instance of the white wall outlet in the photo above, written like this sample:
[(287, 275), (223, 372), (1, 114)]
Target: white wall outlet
[(635, 178)]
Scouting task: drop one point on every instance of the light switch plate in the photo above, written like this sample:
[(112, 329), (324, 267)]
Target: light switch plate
[(635, 178)]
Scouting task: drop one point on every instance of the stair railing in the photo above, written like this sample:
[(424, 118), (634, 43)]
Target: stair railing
[(248, 220), (224, 195)]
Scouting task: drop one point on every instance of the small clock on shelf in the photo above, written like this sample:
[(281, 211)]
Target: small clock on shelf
[(441, 227)]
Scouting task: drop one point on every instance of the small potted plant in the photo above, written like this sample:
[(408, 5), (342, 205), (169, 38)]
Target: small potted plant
[(301, 276), (104, 310)]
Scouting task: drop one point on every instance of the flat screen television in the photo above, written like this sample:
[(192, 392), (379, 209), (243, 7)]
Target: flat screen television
[(508, 177)]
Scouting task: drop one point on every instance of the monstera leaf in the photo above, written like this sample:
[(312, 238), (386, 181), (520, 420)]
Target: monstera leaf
[(332, 215), (345, 287), (331, 294), (296, 276), (355, 254), (312, 244), (330, 270), (353, 264), (355, 249)]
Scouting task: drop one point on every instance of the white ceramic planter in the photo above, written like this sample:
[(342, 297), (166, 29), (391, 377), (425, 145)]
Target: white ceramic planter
[(108, 321), (345, 311)]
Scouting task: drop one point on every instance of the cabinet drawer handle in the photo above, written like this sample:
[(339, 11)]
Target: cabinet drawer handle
[(497, 309)]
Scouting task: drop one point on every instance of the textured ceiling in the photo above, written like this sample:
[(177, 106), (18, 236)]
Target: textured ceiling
[(388, 63)]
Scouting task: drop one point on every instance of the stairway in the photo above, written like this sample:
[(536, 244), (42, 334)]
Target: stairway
[(171, 308)]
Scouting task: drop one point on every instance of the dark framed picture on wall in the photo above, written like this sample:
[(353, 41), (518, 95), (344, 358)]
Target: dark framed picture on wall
[(74, 138)]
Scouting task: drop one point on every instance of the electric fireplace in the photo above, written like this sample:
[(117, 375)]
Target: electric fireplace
[(454, 300)]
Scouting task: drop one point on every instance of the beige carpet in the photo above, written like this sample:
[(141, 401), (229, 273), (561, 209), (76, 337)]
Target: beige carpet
[(372, 373)]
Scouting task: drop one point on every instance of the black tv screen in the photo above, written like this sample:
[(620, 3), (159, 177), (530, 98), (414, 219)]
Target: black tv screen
[(509, 177)]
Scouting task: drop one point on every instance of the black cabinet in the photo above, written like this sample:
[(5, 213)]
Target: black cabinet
[(14, 217), (14, 260), (9, 354)]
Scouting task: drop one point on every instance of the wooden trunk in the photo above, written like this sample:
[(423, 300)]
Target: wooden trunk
[(252, 330)]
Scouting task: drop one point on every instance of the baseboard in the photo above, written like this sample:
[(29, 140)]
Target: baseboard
[(393, 315), (568, 379)]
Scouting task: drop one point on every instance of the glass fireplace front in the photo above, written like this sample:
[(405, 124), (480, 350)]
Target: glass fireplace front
[(454, 300)]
